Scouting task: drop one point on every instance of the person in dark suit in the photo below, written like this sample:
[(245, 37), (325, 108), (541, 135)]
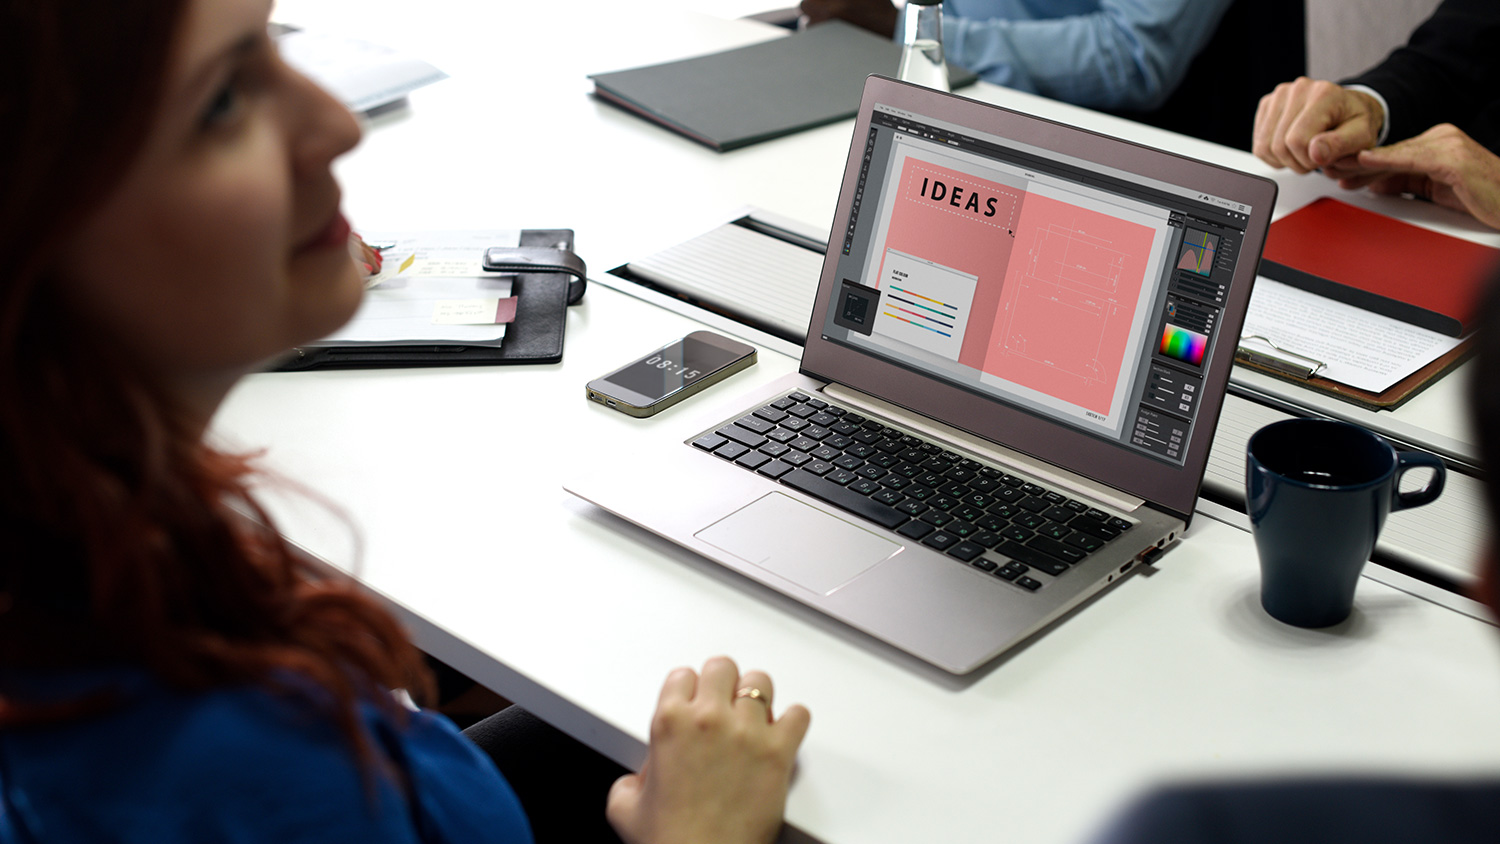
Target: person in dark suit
[(1426, 121)]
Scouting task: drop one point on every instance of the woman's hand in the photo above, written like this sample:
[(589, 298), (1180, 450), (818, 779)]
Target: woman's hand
[(719, 764), (367, 255)]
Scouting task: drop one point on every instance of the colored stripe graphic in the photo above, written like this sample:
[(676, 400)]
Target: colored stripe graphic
[(1184, 345), (922, 316), (923, 307), (920, 296), (918, 324)]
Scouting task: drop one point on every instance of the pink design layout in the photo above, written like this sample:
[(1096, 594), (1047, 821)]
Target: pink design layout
[(973, 236), (1064, 317)]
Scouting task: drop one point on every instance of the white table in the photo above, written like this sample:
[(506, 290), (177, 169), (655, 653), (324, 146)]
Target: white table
[(451, 481)]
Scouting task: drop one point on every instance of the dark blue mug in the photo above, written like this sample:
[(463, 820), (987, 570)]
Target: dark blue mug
[(1318, 493)]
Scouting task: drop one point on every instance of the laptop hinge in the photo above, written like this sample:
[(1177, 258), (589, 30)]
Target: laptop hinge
[(1039, 469)]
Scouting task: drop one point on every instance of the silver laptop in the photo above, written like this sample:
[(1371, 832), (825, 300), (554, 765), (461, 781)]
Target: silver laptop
[(1020, 345)]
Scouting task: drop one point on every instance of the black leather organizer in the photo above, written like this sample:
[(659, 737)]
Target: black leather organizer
[(549, 278)]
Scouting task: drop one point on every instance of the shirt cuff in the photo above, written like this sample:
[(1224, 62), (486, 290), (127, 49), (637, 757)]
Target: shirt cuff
[(1385, 111)]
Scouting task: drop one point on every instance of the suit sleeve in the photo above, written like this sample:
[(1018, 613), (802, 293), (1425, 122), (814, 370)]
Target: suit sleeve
[(1448, 72)]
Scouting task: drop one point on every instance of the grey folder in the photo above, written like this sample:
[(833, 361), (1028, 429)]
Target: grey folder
[(750, 94)]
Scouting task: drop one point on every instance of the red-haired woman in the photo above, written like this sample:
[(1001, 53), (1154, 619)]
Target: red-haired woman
[(168, 670)]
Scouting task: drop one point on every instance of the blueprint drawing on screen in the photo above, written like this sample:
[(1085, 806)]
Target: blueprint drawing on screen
[(1038, 286)]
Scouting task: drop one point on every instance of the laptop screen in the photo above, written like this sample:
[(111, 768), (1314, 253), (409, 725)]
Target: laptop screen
[(1047, 271)]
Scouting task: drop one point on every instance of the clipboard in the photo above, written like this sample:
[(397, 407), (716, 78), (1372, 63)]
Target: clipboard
[(1379, 263), (1298, 369), (549, 278)]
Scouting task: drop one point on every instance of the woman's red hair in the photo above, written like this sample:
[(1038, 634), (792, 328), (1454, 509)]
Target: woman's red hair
[(119, 536)]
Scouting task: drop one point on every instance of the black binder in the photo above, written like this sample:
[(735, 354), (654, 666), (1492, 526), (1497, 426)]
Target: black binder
[(543, 290)]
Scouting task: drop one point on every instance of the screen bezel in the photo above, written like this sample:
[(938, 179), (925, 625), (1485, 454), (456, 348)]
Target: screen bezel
[(1170, 487)]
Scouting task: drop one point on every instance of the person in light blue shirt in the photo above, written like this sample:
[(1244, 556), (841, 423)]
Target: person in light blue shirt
[(1116, 55)]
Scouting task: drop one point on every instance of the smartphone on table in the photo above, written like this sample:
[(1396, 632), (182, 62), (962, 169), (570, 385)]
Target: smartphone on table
[(672, 373)]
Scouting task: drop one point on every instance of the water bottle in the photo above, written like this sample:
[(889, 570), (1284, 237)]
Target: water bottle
[(922, 44)]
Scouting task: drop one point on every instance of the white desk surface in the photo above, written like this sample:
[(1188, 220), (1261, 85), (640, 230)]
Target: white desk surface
[(451, 481)]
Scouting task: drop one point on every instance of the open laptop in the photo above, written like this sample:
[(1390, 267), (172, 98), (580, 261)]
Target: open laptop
[(1020, 345)]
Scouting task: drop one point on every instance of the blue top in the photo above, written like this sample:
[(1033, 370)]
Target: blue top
[(239, 765), (1126, 55)]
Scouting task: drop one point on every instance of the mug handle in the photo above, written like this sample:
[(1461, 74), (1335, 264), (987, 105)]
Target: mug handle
[(1412, 460)]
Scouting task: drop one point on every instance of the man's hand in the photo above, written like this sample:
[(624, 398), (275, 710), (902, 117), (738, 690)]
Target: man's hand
[(1309, 124), (719, 764), (878, 16), (1442, 164)]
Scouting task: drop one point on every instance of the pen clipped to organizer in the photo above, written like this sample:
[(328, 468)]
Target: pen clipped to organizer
[(1260, 350)]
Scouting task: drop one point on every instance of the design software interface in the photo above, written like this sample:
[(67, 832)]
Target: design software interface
[(1062, 287)]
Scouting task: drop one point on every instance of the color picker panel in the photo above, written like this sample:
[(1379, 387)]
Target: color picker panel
[(1186, 346)]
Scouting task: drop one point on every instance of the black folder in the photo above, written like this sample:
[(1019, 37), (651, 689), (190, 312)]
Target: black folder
[(534, 336), (750, 94)]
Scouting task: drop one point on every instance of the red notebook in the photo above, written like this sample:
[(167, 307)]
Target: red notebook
[(1380, 264)]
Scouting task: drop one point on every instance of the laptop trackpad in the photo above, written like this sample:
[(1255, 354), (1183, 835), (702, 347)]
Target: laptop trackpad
[(810, 548)]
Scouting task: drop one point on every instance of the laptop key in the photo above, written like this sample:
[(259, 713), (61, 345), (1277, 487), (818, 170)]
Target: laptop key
[(1053, 530), (941, 540), (962, 530), (1011, 571), (753, 460), (775, 469), (841, 477), (1085, 541), (1094, 528), (965, 551), (990, 522), (943, 502), (1059, 514), (781, 435), (771, 414), (755, 423), (1034, 504), (709, 442), (796, 458), (1015, 533), (936, 517), (1030, 583), (912, 507), (983, 564), (730, 451), (749, 439), (1029, 520), (986, 538), (1032, 557), (839, 496), (915, 529), (1066, 553)]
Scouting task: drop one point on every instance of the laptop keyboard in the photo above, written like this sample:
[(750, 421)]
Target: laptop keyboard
[(977, 514)]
